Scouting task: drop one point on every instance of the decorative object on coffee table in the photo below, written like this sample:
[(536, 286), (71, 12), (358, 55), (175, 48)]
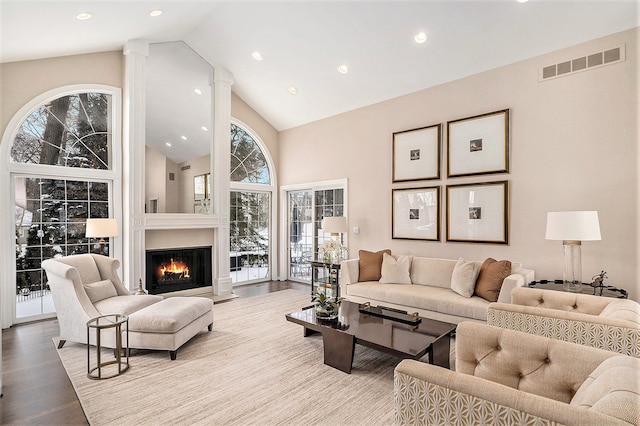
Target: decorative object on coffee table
[(326, 307)]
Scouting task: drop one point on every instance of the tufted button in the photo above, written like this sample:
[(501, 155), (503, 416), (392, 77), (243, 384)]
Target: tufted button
[(498, 348), (541, 301), (575, 306), (520, 375), (547, 360)]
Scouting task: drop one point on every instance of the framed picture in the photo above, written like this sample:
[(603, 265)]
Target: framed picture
[(478, 145), (478, 212), (415, 213), (416, 154)]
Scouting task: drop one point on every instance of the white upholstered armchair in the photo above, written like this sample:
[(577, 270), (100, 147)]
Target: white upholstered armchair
[(506, 377), (86, 286), (599, 322)]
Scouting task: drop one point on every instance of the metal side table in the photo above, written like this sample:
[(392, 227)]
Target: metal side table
[(115, 321)]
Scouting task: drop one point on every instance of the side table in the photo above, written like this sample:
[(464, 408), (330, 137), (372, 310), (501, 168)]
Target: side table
[(605, 291), (115, 321)]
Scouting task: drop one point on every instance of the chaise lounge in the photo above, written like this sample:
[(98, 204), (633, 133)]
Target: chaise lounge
[(86, 286)]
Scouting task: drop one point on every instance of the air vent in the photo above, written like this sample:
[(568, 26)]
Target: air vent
[(183, 168), (172, 176), (594, 60)]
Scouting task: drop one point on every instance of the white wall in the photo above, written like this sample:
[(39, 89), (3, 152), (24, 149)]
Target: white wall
[(574, 146)]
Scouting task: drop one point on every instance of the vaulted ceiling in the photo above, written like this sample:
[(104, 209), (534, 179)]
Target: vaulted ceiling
[(302, 43)]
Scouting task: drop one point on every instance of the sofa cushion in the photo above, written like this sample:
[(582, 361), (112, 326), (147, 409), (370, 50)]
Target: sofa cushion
[(432, 272), (395, 269), (492, 274), (463, 279), (370, 265), (613, 389), (126, 305), (170, 315), (100, 290), (628, 310), (427, 298)]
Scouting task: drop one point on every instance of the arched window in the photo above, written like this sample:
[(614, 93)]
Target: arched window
[(250, 208), (61, 172)]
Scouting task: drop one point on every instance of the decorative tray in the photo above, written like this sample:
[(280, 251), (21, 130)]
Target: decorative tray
[(390, 313)]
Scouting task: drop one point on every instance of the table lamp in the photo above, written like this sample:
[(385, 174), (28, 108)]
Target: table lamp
[(101, 228), (572, 228), (334, 225)]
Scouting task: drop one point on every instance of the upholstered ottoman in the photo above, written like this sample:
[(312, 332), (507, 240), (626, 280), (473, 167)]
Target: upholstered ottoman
[(170, 323)]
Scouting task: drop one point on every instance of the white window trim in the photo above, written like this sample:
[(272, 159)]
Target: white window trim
[(262, 187), (284, 199), (8, 169)]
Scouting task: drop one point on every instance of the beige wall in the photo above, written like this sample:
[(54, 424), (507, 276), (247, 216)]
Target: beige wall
[(574, 146), (23, 81)]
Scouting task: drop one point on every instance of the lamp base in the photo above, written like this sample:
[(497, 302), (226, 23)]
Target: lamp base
[(572, 266)]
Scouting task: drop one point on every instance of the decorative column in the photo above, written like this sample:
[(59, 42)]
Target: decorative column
[(222, 82), (136, 52)]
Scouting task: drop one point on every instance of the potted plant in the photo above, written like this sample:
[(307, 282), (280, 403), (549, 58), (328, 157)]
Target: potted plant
[(326, 307)]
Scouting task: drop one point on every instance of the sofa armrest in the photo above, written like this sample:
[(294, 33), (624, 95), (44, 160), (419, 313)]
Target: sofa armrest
[(428, 394), (350, 269), (520, 278), (611, 334)]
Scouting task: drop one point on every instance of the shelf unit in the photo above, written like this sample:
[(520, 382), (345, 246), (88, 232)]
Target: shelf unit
[(325, 278)]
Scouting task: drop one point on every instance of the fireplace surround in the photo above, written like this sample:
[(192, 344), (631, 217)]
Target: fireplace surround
[(175, 269)]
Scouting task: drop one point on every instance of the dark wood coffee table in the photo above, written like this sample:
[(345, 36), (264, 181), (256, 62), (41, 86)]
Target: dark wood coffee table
[(386, 335)]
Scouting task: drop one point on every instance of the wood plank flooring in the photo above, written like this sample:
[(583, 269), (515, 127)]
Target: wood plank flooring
[(37, 390)]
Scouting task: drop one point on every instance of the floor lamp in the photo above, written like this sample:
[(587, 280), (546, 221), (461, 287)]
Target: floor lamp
[(572, 228), (101, 228)]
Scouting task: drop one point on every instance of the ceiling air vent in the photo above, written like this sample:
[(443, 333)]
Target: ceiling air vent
[(183, 168), (595, 60)]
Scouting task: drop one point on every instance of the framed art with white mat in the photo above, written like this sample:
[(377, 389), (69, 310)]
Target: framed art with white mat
[(416, 154), (415, 213), (478, 212)]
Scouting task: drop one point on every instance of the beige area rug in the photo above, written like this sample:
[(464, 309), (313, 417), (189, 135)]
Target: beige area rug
[(253, 368)]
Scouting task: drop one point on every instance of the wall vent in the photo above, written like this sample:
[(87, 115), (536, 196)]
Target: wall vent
[(595, 60), (183, 168)]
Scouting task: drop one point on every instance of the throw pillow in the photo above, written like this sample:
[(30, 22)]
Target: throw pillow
[(100, 290), (492, 274), (463, 279), (395, 270), (370, 264)]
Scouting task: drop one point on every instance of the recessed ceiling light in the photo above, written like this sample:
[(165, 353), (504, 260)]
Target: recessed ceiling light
[(184, 138), (83, 16), (343, 69), (522, 1), (293, 90), (204, 128), (420, 37), (257, 56), (167, 144), (197, 91), (156, 12)]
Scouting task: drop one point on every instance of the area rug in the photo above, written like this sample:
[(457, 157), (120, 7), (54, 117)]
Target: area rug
[(253, 368)]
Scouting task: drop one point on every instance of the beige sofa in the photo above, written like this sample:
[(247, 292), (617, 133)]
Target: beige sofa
[(506, 377), (86, 286), (599, 322), (429, 291)]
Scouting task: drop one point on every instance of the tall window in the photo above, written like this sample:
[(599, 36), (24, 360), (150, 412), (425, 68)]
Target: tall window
[(250, 215), (73, 133)]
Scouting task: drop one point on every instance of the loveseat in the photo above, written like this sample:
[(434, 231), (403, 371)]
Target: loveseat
[(442, 289), (86, 286), (507, 377)]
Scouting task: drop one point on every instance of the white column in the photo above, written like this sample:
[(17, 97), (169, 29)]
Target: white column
[(136, 52), (221, 166)]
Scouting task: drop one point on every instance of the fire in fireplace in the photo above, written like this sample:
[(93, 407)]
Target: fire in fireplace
[(178, 269)]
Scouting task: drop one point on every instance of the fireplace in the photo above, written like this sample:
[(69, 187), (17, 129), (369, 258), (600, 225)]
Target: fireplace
[(176, 269)]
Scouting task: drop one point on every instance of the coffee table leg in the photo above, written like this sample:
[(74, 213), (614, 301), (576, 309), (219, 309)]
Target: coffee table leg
[(440, 352), (338, 349)]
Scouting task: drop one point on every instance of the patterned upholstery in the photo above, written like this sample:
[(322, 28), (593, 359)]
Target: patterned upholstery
[(595, 321), (506, 377)]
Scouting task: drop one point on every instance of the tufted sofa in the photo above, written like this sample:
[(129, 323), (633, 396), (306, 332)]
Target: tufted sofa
[(429, 288), (86, 286), (506, 377), (599, 322)]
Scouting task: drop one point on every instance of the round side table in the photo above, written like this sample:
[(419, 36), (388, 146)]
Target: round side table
[(115, 321), (605, 291)]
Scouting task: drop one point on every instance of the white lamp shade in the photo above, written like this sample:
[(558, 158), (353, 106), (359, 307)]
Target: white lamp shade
[(573, 226), (334, 225), (101, 228)]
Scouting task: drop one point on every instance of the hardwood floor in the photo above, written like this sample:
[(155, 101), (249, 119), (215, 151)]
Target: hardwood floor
[(37, 389)]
